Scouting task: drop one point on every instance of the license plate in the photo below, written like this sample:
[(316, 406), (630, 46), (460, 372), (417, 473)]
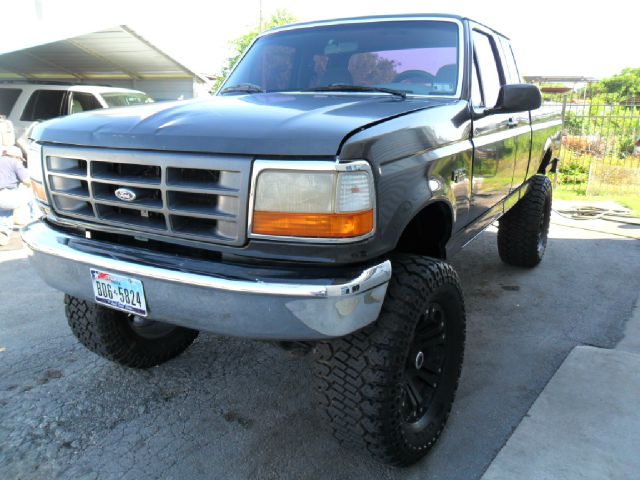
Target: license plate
[(119, 292)]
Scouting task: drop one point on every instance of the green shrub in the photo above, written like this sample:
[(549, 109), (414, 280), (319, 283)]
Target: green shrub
[(573, 173)]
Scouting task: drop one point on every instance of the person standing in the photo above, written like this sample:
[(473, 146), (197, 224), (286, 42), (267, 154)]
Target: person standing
[(13, 194)]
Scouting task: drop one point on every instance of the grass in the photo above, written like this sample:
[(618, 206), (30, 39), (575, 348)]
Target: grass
[(630, 201)]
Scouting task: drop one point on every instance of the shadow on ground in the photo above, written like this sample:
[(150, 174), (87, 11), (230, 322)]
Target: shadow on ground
[(231, 408)]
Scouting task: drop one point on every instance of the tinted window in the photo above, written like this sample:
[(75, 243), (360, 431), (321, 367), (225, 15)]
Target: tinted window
[(489, 73), (418, 57), (8, 97), (43, 105), (81, 102)]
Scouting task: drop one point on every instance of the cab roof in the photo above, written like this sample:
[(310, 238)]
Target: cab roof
[(374, 18), (25, 85)]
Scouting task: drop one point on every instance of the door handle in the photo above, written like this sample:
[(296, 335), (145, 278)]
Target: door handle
[(512, 123)]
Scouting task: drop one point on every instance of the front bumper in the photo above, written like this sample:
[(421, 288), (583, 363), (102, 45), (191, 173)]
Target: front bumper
[(226, 300)]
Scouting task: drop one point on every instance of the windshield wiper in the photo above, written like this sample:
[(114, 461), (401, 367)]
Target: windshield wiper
[(341, 87), (243, 88)]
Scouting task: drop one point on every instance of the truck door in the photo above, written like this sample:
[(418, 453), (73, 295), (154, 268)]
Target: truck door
[(493, 139), (521, 121)]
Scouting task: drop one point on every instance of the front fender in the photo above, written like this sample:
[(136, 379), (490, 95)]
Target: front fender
[(417, 159)]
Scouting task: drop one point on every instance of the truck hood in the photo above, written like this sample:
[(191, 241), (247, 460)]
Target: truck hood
[(263, 124)]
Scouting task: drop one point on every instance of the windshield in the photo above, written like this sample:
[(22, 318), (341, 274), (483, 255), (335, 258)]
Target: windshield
[(419, 57), (124, 99)]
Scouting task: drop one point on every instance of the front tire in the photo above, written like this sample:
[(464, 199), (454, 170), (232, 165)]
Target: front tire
[(388, 388), (523, 230), (123, 338)]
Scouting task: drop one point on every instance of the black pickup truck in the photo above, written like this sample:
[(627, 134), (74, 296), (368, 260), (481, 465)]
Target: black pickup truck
[(314, 200)]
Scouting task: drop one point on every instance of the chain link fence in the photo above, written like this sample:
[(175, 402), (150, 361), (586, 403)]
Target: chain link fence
[(600, 153)]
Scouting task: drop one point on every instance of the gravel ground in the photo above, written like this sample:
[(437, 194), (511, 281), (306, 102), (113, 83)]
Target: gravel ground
[(230, 408)]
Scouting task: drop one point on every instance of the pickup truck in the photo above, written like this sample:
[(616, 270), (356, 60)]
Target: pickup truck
[(313, 201)]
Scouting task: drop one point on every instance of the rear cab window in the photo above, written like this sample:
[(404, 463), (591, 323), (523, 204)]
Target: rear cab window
[(491, 79), (8, 98), (509, 62)]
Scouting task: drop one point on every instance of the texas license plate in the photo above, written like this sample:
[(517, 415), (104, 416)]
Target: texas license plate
[(119, 292)]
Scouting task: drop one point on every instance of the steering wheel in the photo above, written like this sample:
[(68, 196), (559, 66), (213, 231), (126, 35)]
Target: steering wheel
[(418, 76)]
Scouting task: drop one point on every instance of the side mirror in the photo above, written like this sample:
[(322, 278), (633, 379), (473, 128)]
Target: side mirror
[(517, 97)]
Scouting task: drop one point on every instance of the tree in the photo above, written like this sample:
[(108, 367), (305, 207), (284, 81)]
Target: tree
[(240, 44), (626, 84), (371, 68)]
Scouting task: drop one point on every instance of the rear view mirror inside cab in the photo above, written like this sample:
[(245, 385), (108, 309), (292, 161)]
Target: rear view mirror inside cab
[(334, 48)]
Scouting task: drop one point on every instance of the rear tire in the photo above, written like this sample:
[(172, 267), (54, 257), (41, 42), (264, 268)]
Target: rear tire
[(123, 338), (523, 230), (388, 388)]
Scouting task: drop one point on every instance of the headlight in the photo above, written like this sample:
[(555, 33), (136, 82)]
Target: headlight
[(34, 166), (314, 200)]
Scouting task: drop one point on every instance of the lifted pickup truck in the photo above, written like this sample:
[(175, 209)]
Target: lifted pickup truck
[(315, 199)]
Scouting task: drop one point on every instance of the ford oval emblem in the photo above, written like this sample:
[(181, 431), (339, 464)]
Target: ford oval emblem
[(125, 194)]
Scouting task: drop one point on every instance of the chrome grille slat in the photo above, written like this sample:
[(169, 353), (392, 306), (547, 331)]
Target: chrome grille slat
[(190, 196), (67, 175), (214, 191), (125, 183), (184, 213), (131, 206), (71, 195)]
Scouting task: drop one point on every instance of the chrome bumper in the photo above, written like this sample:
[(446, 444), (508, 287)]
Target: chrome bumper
[(305, 310)]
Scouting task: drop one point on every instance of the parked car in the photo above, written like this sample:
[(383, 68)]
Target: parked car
[(24, 103), (636, 147), (7, 134), (315, 200)]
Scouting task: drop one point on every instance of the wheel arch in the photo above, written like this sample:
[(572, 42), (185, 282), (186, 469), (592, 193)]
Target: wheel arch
[(428, 231), (545, 161)]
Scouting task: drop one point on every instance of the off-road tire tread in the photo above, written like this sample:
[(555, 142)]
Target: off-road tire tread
[(106, 332), (355, 375), (518, 228)]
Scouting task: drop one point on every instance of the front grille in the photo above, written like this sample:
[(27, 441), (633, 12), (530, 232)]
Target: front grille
[(192, 196)]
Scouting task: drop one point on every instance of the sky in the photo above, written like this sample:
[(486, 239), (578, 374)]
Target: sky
[(550, 37)]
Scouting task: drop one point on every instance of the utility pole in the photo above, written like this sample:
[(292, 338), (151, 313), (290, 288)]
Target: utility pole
[(260, 16)]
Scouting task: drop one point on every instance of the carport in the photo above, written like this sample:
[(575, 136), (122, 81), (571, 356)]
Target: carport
[(116, 56)]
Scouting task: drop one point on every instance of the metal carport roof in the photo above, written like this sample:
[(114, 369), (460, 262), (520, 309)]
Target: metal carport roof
[(117, 53)]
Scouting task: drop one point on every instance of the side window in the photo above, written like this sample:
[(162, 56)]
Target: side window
[(489, 72), (81, 102), (512, 58), (8, 97), (476, 91), (509, 62), (43, 105)]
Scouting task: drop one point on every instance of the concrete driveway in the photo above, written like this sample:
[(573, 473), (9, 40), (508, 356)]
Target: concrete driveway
[(231, 408)]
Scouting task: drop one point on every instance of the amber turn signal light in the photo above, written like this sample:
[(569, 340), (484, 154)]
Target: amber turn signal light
[(38, 191), (314, 225)]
